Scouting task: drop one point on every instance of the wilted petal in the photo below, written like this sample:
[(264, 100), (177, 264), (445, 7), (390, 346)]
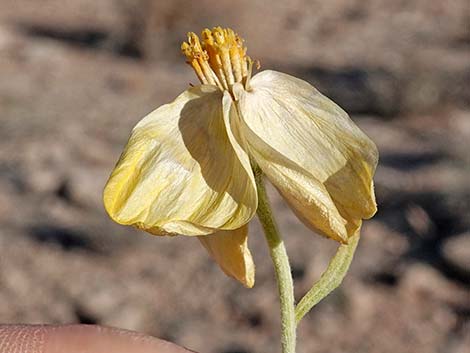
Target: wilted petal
[(180, 174), (230, 250), (308, 198), (312, 144)]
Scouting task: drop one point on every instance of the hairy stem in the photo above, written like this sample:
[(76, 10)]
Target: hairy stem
[(281, 266)]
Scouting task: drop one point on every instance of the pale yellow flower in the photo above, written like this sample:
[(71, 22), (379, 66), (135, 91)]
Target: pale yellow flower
[(187, 170)]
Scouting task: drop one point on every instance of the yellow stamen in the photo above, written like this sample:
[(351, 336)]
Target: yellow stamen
[(219, 58)]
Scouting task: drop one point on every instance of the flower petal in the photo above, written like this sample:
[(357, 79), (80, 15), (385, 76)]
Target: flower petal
[(180, 173), (312, 152), (230, 250), (307, 197)]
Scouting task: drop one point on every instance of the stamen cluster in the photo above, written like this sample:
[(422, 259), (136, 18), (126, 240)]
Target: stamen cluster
[(219, 58)]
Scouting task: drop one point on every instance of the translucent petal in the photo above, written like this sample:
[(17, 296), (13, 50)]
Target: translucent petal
[(230, 250), (310, 149), (307, 197), (180, 173)]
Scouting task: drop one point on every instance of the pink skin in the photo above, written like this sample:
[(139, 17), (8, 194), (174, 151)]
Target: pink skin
[(79, 339)]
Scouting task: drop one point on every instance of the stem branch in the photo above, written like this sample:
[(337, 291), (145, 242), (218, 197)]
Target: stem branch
[(330, 279)]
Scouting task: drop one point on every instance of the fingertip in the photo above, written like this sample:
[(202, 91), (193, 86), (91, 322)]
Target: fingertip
[(78, 339), (22, 338)]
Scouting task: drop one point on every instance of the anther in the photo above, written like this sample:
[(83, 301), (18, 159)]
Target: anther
[(219, 58)]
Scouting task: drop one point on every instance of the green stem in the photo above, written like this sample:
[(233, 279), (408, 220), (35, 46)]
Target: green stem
[(330, 279), (281, 266)]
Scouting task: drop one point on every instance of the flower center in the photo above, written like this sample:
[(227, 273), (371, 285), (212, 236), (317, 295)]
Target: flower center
[(219, 58)]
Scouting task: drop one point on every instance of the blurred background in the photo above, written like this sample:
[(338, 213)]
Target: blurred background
[(76, 76)]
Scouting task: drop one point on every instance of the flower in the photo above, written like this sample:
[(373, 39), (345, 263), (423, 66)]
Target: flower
[(186, 169)]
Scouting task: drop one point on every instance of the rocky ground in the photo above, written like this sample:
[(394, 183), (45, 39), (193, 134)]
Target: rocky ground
[(77, 75)]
